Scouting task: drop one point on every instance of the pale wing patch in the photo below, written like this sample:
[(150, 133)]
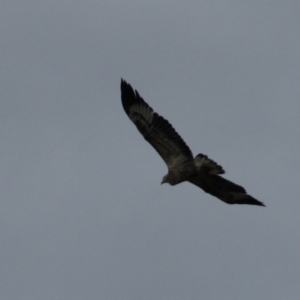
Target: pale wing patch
[(140, 111)]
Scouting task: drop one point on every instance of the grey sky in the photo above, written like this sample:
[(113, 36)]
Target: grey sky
[(83, 215)]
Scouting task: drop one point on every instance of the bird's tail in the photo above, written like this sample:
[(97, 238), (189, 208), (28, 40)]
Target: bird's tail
[(207, 165)]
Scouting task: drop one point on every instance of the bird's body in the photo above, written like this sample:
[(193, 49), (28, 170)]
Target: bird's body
[(182, 166), (181, 173)]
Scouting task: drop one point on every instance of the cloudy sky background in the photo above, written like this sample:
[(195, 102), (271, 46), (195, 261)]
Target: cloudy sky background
[(82, 211)]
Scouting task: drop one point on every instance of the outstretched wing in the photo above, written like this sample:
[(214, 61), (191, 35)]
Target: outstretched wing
[(155, 129), (224, 189)]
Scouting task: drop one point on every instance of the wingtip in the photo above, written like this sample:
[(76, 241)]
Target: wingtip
[(126, 86), (256, 202)]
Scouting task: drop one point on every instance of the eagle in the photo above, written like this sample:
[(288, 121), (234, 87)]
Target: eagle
[(182, 166)]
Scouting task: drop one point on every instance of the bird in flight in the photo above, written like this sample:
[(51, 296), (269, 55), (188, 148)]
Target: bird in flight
[(182, 166)]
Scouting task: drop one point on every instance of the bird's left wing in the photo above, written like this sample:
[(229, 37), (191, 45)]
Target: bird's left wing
[(224, 189)]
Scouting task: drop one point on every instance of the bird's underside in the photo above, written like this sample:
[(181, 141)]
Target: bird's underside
[(200, 171)]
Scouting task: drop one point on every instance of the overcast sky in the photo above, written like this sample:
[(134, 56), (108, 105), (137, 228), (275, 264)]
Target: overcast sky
[(82, 211)]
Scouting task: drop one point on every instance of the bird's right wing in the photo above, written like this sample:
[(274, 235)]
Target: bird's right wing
[(154, 128)]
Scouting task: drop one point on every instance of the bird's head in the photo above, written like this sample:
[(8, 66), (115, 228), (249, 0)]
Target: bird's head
[(165, 179), (170, 179)]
